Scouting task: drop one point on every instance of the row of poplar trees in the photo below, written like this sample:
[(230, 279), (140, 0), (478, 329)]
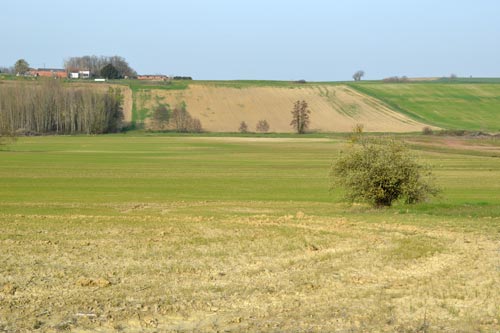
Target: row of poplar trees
[(50, 107)]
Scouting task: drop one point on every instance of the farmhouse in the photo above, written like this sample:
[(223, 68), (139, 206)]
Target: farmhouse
[(49, 72), (81, 74)]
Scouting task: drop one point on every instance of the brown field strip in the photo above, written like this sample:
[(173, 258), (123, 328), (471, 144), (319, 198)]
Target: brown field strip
[(334, 108)]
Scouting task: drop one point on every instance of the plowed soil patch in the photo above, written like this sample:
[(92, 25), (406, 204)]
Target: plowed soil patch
[(334, 108)]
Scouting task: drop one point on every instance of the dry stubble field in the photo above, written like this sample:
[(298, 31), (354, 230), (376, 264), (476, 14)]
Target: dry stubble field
[(166, 234), (334, 108)]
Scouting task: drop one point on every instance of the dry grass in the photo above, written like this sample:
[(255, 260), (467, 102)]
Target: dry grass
[(152, 269)]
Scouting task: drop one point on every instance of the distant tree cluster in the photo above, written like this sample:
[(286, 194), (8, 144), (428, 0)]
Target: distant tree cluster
[(182, 78), (48, 107), (7, 70), (95, 64), (396, 79), (178, 119)]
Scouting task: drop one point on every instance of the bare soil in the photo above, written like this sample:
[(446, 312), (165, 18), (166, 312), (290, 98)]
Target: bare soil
[(150, 270)]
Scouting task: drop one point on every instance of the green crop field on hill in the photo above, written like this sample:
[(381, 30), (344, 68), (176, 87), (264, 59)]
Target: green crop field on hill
[(177, 233), (461, 105)]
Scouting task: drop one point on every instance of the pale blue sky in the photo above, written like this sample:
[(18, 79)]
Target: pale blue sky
[(261, 39)]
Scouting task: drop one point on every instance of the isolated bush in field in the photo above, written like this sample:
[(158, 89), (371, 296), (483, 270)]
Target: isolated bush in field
[(381, 171), (427, 131), (262, 126), (300, 117), (243, 127)]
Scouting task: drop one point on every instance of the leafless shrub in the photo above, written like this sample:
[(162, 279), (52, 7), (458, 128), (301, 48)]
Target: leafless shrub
[(243, 127), (262, 126)]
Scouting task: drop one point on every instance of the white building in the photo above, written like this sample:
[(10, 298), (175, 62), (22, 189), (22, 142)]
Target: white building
[(85, 74)]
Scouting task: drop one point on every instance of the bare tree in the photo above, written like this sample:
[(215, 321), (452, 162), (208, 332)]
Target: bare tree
[(358, 75), (180, 118), (243, 127), (161, 116), (262, 126), (300, 117), (183, 122), (195, 126)]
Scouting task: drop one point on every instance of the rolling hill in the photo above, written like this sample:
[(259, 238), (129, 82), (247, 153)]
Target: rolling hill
[(221, 108), (465, 104)]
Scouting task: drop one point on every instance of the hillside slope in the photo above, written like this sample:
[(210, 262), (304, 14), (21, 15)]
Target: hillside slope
[(334, 107), (469, 106)]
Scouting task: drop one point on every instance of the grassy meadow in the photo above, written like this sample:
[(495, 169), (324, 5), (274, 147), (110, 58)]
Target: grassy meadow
[(471, 105), (153, 233)]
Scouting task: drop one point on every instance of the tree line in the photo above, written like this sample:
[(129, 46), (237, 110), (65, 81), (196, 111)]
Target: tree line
[(95, 64), (49, 107)]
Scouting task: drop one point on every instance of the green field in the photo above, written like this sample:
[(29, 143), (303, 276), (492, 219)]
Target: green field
[(179, 234), (461, 105)]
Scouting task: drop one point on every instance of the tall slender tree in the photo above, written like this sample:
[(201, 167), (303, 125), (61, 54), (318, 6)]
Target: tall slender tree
[(300, 117)]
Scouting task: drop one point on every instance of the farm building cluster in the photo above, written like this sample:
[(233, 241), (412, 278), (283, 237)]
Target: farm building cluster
[(82, 74)]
